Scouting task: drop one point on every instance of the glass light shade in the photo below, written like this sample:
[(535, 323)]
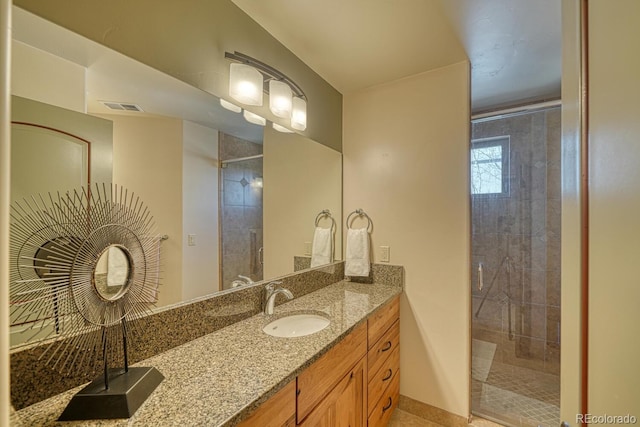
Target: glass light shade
[(281, 128), (229, 106), (299, 114), (257, 182), (280, 98), (245, 84), (254, 118)]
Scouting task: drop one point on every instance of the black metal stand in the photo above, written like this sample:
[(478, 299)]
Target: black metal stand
[(118, 393), (126, 393)]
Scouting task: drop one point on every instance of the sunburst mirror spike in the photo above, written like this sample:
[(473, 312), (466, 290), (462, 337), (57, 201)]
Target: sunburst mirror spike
[(84, 267)]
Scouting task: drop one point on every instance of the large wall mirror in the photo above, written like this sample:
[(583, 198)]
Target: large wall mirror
[(238, 201)]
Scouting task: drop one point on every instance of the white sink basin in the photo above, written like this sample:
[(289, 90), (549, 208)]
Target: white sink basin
[(297, 325)]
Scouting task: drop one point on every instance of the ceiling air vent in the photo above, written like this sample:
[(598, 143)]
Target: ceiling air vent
[(121, 106)]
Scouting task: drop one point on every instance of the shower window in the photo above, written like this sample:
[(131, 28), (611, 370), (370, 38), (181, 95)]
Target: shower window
[(490, 166)]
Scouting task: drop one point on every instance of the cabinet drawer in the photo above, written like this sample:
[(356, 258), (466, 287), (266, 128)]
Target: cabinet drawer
[(382, 319), (317, 380), (381, 413), (383, 348), (278, 411), (380, 381)]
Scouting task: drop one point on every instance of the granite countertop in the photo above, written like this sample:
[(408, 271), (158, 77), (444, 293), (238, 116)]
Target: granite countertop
[(218, 379)]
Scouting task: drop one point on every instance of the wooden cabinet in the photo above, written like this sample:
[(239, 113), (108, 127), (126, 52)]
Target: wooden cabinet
[(380, 321), (379, 352), (355, 384), (345, 405), (320, 378), (379, 382), (382, 411), (383, 360), (278, 411)]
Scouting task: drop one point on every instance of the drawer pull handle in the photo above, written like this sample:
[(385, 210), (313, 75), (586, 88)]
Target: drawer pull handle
[(387, 346), (387, 406), (389, 375)]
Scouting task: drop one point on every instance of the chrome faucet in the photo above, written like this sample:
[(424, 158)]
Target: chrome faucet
[(246, 279), (272, 293), (243, 280)]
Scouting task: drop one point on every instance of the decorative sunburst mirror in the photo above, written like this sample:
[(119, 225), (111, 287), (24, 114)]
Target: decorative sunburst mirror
[(83, 265)]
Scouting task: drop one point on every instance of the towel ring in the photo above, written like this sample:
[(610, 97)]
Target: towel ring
[(327, 213), (324, 212), (360, 212)]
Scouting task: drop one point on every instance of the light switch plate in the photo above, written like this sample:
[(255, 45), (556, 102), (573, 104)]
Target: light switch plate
[(384, 253)]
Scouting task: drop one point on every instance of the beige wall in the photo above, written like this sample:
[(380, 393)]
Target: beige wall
[(614, 224), (200, 266), (43, 77), (301, 178), (406, 164), (147, 159)]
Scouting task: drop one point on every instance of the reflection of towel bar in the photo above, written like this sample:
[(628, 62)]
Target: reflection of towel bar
[(327, 213), (163, 237), (360, 212)]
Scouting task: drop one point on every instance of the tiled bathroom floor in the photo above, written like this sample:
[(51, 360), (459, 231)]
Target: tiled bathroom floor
[(401, 418), (520, 396)]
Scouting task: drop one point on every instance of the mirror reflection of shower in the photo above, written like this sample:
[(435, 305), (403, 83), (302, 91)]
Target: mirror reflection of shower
[(241, 186)]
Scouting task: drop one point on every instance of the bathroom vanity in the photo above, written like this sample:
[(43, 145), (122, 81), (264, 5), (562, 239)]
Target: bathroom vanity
[(240, 375), (357, 382)]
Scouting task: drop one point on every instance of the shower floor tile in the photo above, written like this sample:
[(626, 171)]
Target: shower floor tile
[(519, 396)]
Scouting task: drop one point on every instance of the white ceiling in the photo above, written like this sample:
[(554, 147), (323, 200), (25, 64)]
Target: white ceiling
[(514, 45)]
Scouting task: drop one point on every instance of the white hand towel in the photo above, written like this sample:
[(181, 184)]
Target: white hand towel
[(357, 253), (118, 267), (322, 247)]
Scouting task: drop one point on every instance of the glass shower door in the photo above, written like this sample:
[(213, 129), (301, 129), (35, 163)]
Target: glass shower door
[(515, 185), (241, 184)]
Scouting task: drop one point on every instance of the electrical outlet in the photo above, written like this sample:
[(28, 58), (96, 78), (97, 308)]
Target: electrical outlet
[(191, 239), (384, 253), (307, 248)]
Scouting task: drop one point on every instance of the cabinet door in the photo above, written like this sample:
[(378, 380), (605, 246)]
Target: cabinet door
[(325, 373), (278, 411), (345, 405)]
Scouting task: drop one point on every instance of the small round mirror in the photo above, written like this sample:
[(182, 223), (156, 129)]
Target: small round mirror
[(112, 272)]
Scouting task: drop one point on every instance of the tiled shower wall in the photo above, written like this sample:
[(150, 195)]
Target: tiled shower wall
[(241, 210), (525, 226)]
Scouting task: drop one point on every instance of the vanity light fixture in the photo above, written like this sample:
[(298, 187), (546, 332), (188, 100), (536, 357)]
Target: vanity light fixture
[(245, 84), (229, 106), (286, 98), (280, 98), (280, 128), (257, 182), (299, 114), (254, 118)]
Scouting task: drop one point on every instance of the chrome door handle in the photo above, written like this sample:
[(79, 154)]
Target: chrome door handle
[(480, 276)]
